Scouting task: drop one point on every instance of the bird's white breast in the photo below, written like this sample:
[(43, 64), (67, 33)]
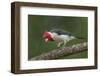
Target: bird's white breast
[(60, 38)]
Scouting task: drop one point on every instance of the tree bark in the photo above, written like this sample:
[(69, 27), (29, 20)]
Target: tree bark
[(57, 53)]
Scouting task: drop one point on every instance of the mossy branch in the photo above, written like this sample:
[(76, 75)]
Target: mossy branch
[(57, 53)]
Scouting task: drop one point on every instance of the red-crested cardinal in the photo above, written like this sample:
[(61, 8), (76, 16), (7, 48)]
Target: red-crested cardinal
[(58, 35)]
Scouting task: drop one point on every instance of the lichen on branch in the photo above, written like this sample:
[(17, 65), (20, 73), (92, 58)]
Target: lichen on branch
[(57, 53)]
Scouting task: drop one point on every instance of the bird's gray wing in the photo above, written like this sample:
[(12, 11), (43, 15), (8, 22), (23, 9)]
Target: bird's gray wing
[(60, 32)]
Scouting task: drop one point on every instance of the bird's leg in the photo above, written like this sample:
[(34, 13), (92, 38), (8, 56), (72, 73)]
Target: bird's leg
[(64, 43), (59, 44)]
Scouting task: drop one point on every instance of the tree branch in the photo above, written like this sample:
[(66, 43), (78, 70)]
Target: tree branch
[(57, 53)]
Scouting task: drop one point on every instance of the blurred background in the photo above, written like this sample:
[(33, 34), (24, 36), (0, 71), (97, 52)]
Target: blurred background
[(38, 24)]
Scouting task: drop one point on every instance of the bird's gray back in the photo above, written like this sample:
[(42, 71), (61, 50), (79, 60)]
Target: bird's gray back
[(60, 32)]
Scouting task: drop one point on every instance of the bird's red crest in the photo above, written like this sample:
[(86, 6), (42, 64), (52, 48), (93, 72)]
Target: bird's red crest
[(48, 36)]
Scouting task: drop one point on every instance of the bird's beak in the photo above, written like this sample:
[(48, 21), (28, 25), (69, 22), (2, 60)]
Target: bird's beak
[(46, 40)]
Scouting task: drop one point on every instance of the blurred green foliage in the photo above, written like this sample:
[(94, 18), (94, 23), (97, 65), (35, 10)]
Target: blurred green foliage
[(38, 24)]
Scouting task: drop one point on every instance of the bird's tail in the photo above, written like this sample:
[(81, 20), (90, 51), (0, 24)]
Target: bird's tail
[(80, 38)]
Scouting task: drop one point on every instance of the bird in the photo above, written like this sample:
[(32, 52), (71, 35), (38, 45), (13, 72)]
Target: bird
[(58, 35)]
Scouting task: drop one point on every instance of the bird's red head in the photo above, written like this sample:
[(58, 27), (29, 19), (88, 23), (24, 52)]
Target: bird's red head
[(47, 36)]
